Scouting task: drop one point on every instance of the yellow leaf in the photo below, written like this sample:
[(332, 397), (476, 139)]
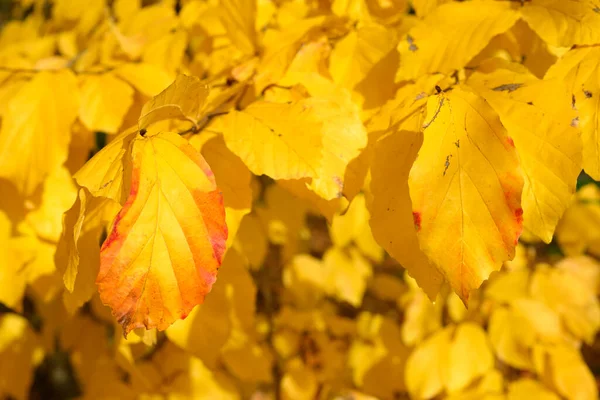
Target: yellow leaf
[(305, 278), (238, 18), (469, 357), (578, 230), (563, 368), (466, 188), (421, 317), (183, 99), (105, 100), (175, 222), (525, 389), (570, 298), (580, 70), (206, 329), (353, 226), (299, 382), (83, 225), (520, 44), (386, 362), (511, 338), (313, 138), (425, 7), (506, 287), (451, 36), (392, 220), (59, 193), (537, 116), (583, 268), (425, 366), (104, 174), (564, 23), (543, 320), (149, 79), (168, 51), (35, 134), (346, 275), (251, 240), (355, 55), (280, 49), (18, 345), (17, 252)]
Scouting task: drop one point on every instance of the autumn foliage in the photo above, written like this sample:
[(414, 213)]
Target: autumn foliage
[(300, 199)]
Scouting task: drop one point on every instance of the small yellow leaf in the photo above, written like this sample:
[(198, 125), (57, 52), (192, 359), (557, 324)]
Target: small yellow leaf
[(451, 35), (238, 18), (511, 338), (103, 174), (183, 99), (355, 55), (346, 275), (36, 127), (525, 389), (563, 368), (105, 100), (149, 79), (425, 366), (564, 23), (469, 357), (580, 70), (466, 188), (18, 344)]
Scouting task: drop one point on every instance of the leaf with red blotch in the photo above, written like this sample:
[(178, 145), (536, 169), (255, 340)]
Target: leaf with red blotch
[(465, 187), (167, 242)]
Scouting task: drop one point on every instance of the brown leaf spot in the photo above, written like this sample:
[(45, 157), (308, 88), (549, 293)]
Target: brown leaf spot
[(575, 122), (509, 87)]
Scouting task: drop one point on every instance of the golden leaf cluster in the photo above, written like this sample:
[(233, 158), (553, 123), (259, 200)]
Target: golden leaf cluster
[(299, 199)]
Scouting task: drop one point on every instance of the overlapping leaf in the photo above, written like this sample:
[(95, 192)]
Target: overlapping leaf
[(538, 117), (162, 254), (465, 188)]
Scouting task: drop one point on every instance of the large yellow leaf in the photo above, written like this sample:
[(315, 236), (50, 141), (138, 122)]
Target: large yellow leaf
[(183, 99), (105, 100), (564, 22), (83, 225), (580, 70), (167, 242), (537, 115), (466, 189), (355, 55), (391, 213), (36, 128), (451, 35), (312, 138)]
